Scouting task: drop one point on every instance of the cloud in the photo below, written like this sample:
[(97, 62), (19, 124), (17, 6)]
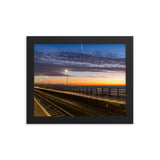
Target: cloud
[(53, 64)]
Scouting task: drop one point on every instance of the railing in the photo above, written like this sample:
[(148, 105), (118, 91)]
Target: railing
[(111, 92)]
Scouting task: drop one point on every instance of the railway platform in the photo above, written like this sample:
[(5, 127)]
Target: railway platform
[(39, 111)]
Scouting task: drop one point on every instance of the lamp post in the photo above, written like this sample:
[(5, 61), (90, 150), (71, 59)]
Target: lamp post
[(47, 82), (35, 82), (66, 70), (40, 81)]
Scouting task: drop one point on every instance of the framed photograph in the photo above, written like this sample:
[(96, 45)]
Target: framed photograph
[(79, 80)]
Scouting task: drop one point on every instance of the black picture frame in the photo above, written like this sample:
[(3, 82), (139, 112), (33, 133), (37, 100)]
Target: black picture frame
[(128, 40)]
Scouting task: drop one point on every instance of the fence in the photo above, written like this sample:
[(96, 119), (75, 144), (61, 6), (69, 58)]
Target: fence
[(111, 92)]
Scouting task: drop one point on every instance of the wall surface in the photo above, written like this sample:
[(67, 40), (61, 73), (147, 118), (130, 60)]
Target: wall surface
[(79, 18)]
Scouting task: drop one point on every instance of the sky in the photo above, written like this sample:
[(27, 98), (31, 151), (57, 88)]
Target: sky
[(87, 64)]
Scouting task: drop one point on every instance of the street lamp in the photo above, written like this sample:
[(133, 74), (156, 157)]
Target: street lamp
[(66, 70), (40, 81), (35, 82), (47, 81)]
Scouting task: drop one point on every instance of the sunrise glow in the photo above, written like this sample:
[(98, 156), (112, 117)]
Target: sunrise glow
[(87, 64)]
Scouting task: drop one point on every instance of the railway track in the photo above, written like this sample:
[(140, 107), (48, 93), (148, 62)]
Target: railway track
[(73, 108), (52, 108)]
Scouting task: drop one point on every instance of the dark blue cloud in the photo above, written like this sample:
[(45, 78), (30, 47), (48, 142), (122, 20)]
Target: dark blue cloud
[(52, 61)]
